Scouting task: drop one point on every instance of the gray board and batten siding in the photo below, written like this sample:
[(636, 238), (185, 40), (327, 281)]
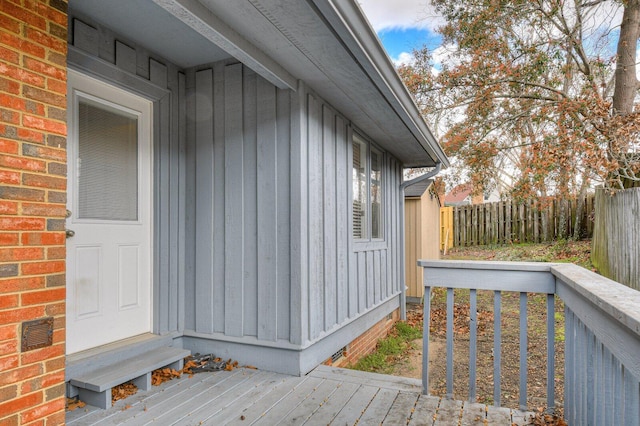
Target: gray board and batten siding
[(253, 251), (274, 264)]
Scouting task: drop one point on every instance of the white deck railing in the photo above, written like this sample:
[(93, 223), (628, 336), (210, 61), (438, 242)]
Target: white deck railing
[(602, 334)]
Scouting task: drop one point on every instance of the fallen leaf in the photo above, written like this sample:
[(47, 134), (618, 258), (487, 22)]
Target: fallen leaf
[(123, 391), (74, 403)]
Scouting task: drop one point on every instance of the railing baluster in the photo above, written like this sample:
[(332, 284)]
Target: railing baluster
[(632, 393), (551, 340), (473, 336), (426, 323), (523, 351), (590, 368), (584, 363), (599, 385), (570, 364), (618, 392), (608, 388), (449, 343), (497, 342)]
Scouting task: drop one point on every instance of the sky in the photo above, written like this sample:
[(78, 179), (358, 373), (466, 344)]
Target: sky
[(403, 25)]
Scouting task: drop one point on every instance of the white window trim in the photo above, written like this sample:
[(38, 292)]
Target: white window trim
[(370, 243)]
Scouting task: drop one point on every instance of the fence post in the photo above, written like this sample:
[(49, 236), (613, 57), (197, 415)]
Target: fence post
[(456, 227), (507, 217), (474, 225), (521, 219), (544, 219), (536, 224), (501, 223)]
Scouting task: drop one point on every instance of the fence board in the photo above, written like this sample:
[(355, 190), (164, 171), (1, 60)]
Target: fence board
[(446, 228), (506, 222), (616, 236)]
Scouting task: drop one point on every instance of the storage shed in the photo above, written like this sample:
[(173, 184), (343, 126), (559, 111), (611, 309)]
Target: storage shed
[(422, 233)]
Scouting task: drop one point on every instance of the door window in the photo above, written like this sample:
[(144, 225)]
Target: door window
[(107, 169)]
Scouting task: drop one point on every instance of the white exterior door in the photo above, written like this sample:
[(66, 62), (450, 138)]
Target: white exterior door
[(109, 197)]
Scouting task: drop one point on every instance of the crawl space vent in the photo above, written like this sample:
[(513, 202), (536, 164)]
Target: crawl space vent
[(37, 334)]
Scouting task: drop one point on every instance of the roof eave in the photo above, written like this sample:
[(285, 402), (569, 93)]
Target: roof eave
[(350, 23)]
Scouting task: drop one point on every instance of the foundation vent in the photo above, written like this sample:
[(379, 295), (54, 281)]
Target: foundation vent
[(37, 334), (336, 356)]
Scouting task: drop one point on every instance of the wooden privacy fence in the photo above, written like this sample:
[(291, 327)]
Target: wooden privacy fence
[(616, 236), (508, 222), (446, 228)]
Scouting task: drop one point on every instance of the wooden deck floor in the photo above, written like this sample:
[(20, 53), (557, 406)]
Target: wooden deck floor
[(325, 396)]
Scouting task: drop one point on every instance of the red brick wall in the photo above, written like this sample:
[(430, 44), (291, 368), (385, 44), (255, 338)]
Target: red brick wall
[(366, 342), (33, 46)]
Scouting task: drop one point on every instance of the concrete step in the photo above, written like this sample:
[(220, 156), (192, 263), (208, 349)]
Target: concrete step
[(94, 387)]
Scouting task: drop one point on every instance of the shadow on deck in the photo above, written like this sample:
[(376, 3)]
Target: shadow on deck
[(327, 395)]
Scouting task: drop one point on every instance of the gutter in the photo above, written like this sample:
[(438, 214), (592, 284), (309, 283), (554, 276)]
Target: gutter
[(403, 272), (422, 177)]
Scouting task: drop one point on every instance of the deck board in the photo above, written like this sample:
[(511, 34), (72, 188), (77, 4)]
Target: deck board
[(236, 409), (501, 415), (260, 406), (473, 414), (310, 405), (448, 412), (400, 411), (180, 404), (379, 407), (212, 401), (354, 407), (332, 406), (289, 402), (325, 396), (425, 411), (369, 379)]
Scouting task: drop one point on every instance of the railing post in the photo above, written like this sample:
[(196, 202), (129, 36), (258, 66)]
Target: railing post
[(523, 351), (473, 336), (551, 340), (497, 345), (449, 343), (426, 322)]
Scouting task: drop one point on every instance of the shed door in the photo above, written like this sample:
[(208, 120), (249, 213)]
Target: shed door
[(109, 197)]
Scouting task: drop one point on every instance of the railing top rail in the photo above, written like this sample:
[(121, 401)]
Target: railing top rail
[(488, 265), (617, 300), (532, 277)]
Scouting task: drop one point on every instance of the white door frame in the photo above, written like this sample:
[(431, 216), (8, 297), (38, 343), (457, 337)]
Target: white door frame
[(89, 88)]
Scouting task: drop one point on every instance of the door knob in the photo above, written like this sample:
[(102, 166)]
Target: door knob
[(69, 233)]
